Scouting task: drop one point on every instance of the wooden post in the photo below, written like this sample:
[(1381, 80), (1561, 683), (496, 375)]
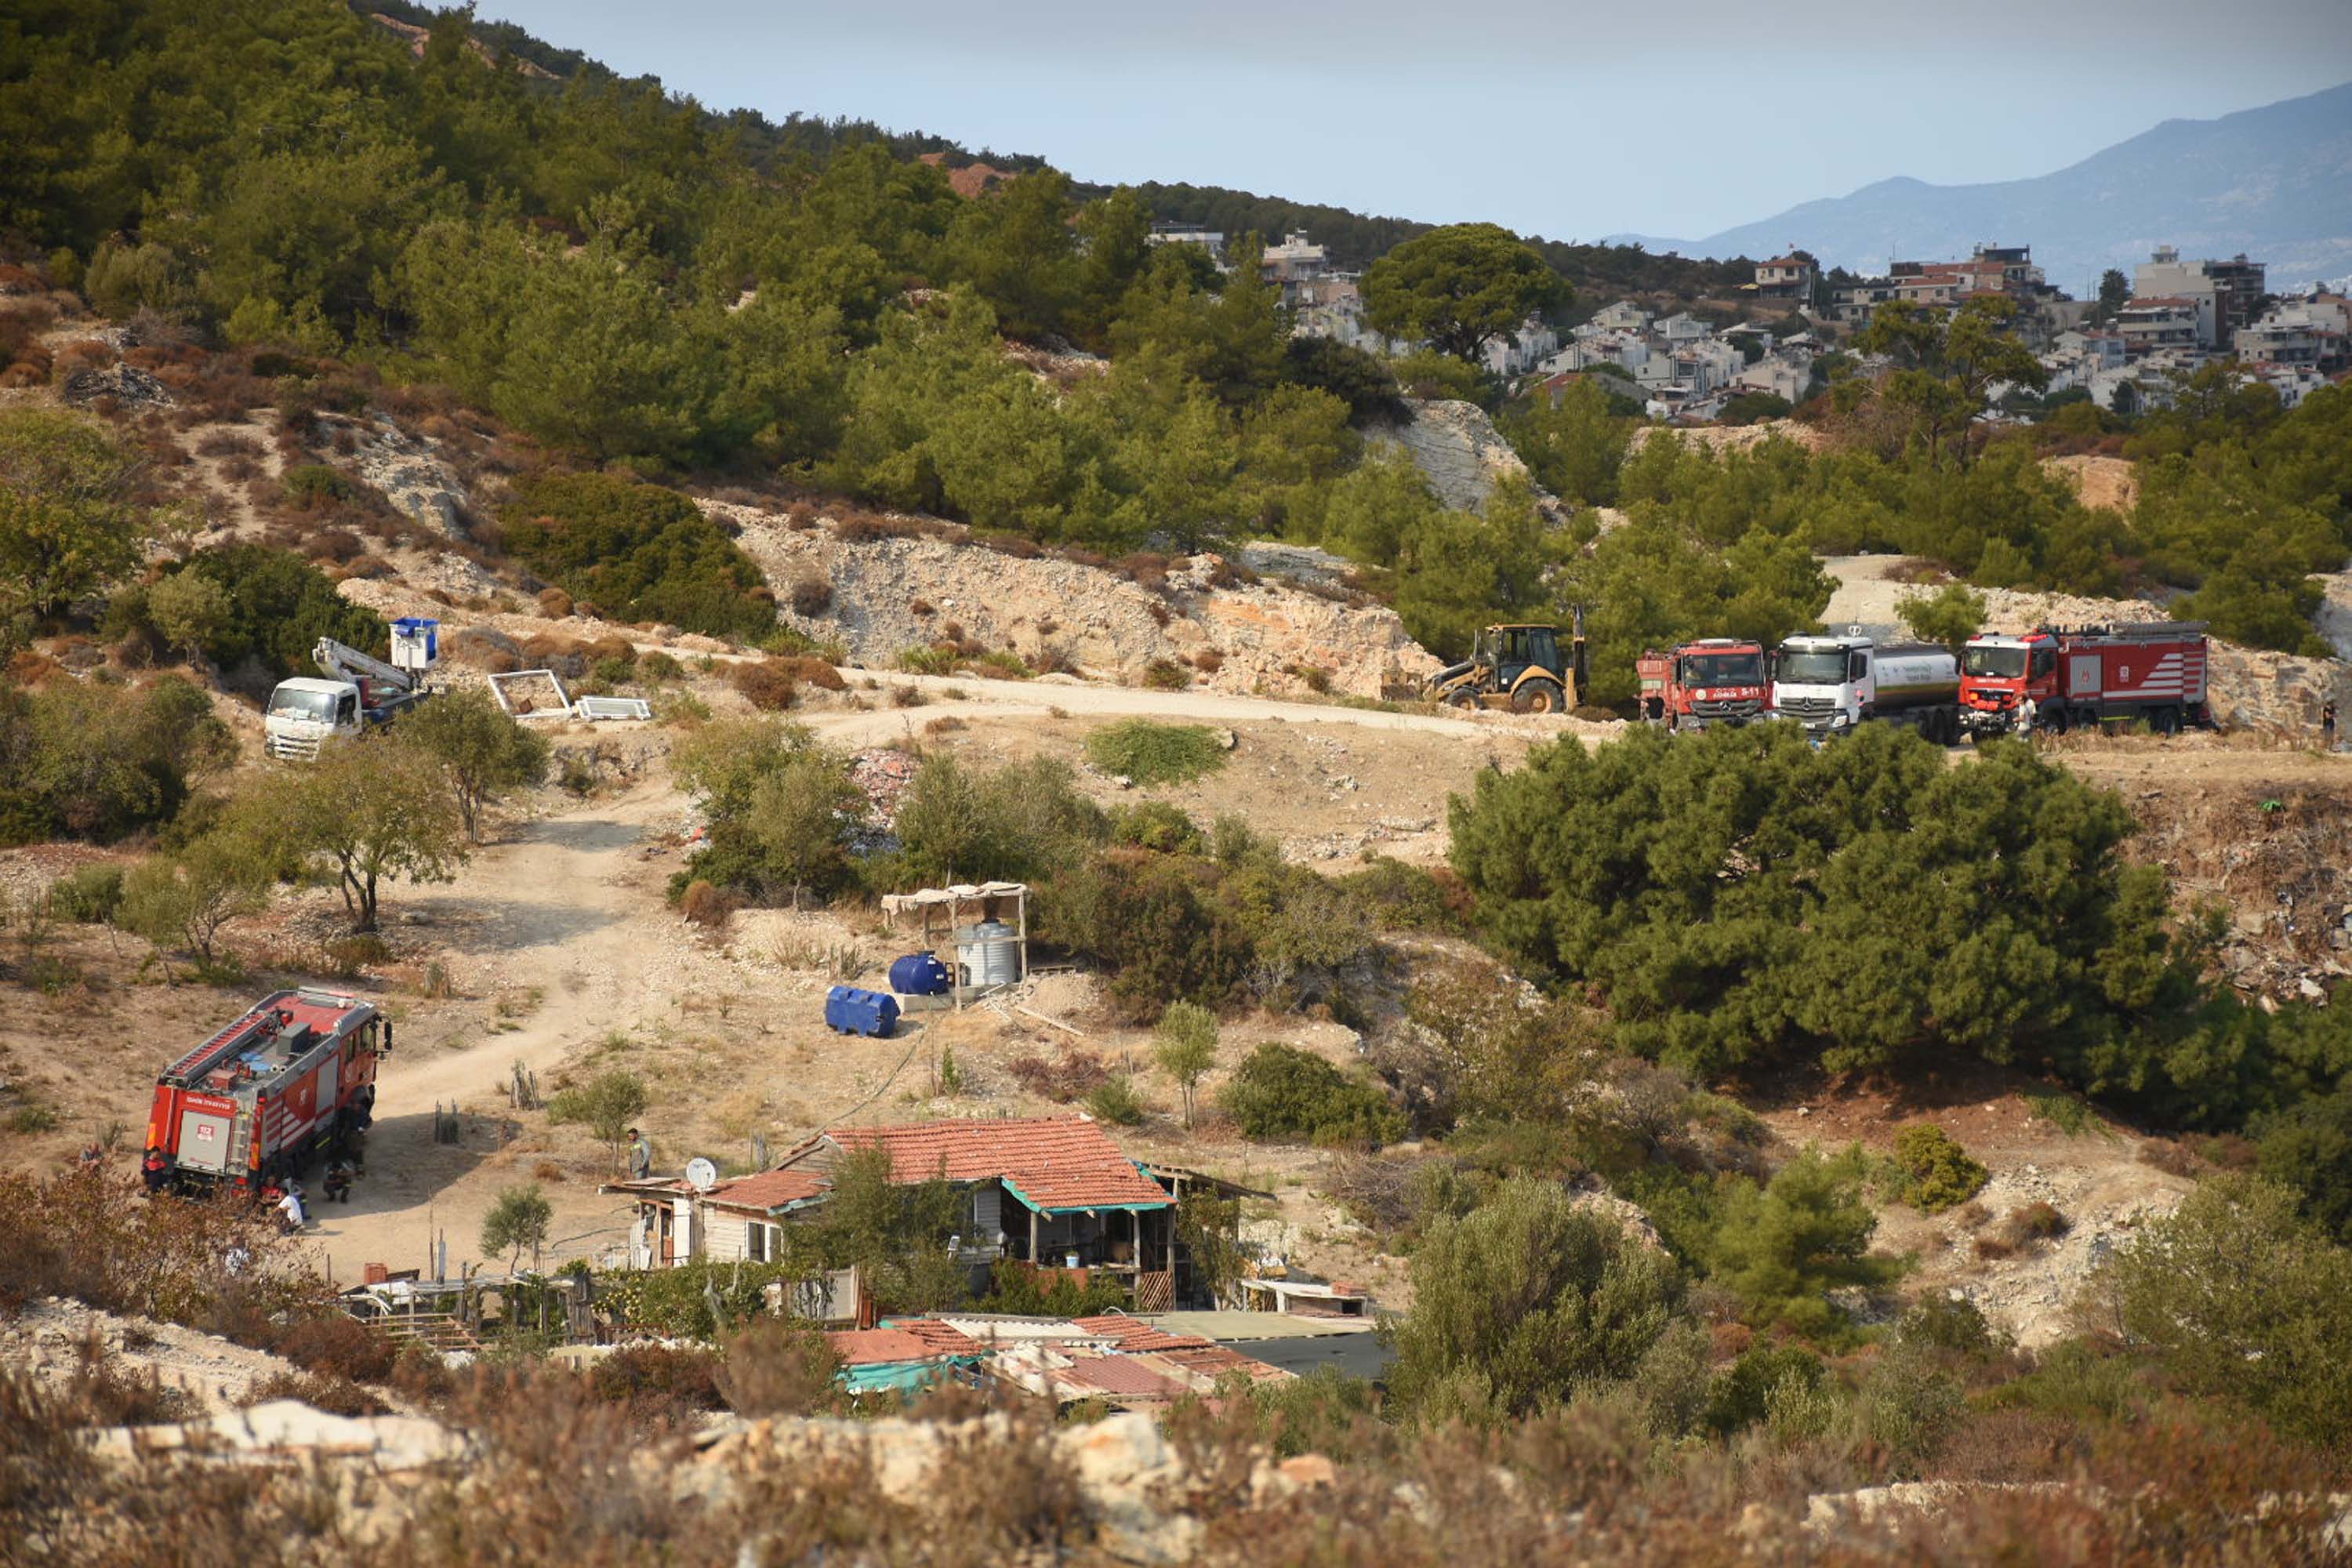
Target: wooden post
[(1034, 1260)]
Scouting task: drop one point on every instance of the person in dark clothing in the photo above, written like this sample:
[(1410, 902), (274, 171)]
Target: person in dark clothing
[(339, 1181), (155, 1171), (2327, 725)]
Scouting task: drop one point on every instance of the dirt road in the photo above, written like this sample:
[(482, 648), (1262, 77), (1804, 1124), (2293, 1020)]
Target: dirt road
[(1037, 699), (565, 921)]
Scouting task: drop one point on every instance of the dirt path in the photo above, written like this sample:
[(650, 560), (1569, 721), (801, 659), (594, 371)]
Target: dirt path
[(564, 921), (1037, 699)]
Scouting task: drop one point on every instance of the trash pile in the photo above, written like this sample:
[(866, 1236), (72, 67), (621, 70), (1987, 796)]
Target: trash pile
[(884, 774)]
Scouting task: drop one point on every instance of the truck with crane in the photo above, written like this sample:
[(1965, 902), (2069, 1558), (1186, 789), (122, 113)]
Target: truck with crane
[(1715, 680), (291, 1078), (2062, 678), (1831, 683), (353, 691)]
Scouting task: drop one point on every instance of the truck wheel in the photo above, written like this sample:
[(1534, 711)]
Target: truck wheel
[(2165, 720), (1540, 696), (1459, 697)]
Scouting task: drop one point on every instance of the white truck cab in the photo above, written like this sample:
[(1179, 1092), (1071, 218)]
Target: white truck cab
[(351, 691), (1829, 683)]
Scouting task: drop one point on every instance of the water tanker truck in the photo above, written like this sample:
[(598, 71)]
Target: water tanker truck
[(1829, 683)]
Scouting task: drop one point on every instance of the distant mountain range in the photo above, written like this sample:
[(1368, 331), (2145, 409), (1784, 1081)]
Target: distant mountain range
[(2274, 182)]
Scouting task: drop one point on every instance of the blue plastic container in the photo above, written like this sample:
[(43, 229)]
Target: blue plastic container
[(920, 974), (851, 1010)]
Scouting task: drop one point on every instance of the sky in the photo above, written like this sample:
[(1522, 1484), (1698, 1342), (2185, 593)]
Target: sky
[(1563, 119)]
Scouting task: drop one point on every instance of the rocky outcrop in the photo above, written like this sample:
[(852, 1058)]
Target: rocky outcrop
[(1457, 449), (1731, 437), (2253, 689), (890, 594), (411, 475)]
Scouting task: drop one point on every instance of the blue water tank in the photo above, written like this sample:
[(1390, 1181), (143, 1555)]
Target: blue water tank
[(851, 1010), (920, 974)]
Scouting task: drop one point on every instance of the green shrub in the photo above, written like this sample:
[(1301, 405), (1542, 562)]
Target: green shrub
[(87, 897), (1165, 675), (1523, 1303), (2239, 1295), (1951, 1324), (279, 606), (1740, 1394), (1402, 897), (2309, 1149), (638, 553), (925, 659), (316, 485), (1781, 1249), (1155, 754), (1159, 923), (1156, 825), (2070, 1113), (1937, 1173), (1597, 865), (1114, 1102), (1281, 1091), (1013, 1287)]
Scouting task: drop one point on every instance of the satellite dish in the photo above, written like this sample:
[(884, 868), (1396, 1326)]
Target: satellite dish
[(701, 1175)]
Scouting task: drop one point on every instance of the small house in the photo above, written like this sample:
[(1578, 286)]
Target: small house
[(1052, 1192), (734, 1220)]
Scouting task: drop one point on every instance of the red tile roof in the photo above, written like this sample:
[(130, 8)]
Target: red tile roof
[(904, 1341), (769, 1190), (1054, 1162), (1135, 1335)]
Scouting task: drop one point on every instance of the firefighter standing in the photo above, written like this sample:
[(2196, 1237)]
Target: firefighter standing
[(155, 1171), (641, 1156)]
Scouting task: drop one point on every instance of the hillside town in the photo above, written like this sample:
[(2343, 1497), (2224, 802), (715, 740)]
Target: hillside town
[(2175, 317)]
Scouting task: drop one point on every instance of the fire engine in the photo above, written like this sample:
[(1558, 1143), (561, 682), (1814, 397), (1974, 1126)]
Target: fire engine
[(2061, 677), (269, 1092), (1716, 680)]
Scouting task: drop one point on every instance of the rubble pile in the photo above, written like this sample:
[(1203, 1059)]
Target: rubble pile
[(2277, 857), (884, 774)]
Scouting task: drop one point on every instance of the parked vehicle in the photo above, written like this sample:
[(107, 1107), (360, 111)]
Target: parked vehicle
[(2063, 677), (1517, 667), (1715, 681), (357, 690), (1831, 683), (265, 1096)]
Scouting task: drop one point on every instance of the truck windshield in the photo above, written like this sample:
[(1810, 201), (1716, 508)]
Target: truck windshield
[(1723, 669), (2008, 663), (1822, 667), (298, 704)]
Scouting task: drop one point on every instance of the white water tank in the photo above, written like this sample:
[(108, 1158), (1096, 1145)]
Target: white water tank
[(988, 954)]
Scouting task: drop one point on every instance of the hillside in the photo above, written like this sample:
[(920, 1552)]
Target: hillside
[(2274, 182)]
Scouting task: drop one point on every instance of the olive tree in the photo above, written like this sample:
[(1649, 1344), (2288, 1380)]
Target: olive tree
[(481, 749), (367, 811)]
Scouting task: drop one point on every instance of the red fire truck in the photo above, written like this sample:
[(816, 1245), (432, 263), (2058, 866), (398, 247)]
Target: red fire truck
[(2061, 677), (1716, 680), (270, 1091)]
